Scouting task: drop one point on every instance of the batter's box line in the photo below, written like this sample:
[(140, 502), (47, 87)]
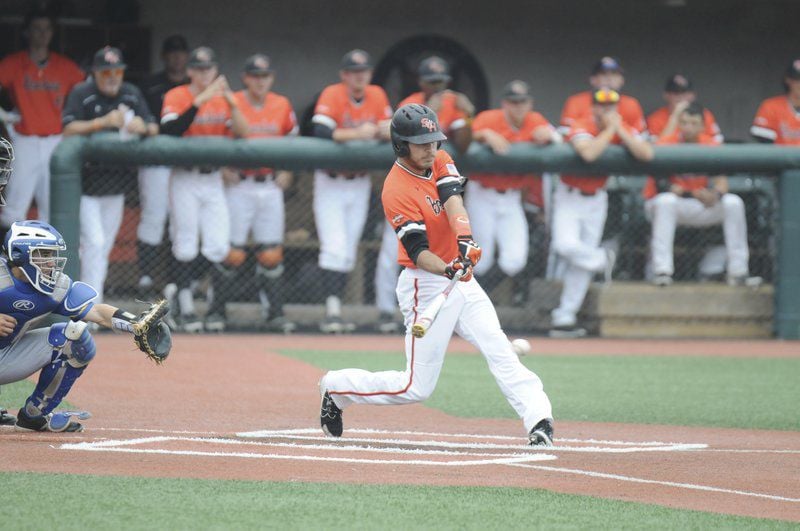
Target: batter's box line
[(123, 446)]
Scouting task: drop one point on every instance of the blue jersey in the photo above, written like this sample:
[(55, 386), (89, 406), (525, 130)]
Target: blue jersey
[(29, 307)]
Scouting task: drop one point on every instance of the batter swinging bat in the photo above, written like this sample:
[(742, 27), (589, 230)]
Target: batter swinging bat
[(426, 319)]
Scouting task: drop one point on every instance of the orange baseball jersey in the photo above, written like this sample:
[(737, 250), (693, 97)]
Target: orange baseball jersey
[(777, 121), (496, 121), (450, 116), (687, 181), (657, 121), (578, 107), (213, 118), (275, 118), (335, 108), (411, 204), (588, 129), (39, 92)]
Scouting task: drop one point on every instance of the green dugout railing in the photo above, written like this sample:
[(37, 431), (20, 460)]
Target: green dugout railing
[(310, 153)]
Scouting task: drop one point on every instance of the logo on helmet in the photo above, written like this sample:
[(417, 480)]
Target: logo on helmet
[(428, 124), (24, 305)]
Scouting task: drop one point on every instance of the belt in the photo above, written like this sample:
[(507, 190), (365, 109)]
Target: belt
[(582, 192), (205, 170), (345, 176), (258, 177)]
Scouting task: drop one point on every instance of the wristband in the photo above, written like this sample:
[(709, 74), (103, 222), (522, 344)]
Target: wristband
[(122, 321)]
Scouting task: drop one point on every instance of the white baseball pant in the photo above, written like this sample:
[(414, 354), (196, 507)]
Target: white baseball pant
[(199, 221), (340, 212), (498, 220), (256, 206), (154, 199), (578, 223), (100, 216), (386, 271), (666, 211), (467, 311), (30, 178)]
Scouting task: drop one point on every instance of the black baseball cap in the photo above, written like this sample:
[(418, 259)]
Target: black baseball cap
[(517, 91), (174, 43), (202, 57), (793, 70), (108, 58), (607, 64), (356, 61), (433, 69), (678, 84), (257, 65)]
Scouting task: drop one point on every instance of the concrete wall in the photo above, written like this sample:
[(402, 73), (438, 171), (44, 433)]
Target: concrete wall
[(734, 50)]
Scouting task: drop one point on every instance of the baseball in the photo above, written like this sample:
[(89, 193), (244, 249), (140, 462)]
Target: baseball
[(521, 346)]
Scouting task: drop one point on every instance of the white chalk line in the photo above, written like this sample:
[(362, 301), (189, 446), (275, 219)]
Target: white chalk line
[(123, 446), (689, 486)]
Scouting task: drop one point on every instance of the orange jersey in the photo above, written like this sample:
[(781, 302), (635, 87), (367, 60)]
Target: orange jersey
[(450, 116), (578, 107), (411, 203), (687, 181), (213, 118), (657, 121), (39, 92), (778, 121), (588, 129), (274, 118), (335, 108), (496, 121)]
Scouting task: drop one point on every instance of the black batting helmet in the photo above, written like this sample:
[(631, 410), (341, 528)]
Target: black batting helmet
[(6, 158), (415, 124)]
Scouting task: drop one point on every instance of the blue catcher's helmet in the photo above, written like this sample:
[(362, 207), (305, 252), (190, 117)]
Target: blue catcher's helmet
[(34, 247), (6, 158)]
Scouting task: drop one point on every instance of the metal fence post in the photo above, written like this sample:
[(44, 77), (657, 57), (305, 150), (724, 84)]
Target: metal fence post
[(787, 307), (65, 197)]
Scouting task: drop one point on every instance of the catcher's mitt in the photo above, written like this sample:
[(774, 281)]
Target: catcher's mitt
[(151, 334)]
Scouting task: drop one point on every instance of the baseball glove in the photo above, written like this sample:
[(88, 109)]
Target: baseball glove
[(151, 334)]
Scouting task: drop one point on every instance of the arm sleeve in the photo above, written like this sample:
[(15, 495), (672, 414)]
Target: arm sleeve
[(406, 219), (73, 110), (764, 128), (178, 125), (323, 131)]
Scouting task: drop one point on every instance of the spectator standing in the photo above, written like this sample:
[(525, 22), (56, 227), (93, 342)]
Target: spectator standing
[(38, 81), (104, 103), (154, 180), (679, 94), (695, 201), (199, 221), (352, 110), (580, 204), (778, 118)]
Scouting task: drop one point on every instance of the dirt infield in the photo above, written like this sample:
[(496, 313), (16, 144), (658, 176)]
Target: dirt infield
[(168, 422)]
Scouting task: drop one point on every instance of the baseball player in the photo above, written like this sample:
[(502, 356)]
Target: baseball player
[(422, 200), (580, 204), (255, 199), (104, 103), (679, 94), (494, 202), (33, 286), (350, 110), (777, 120), (607, 73), (38, 82), (455, 112), (691, 200), (154, 180), (199, 222)]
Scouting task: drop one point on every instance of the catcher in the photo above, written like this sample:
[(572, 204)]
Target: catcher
[(32, 286)]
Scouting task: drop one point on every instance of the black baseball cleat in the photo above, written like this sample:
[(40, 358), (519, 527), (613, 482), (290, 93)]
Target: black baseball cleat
[(330, 417), (26, 422), (6, 418), (542, 433)]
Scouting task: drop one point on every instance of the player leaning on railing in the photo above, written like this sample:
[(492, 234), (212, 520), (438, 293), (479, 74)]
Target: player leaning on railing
[(422, 201)]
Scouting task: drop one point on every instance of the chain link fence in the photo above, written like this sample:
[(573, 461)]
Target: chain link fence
[(142, 270)]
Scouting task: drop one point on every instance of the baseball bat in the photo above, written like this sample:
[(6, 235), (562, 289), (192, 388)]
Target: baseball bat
[(420, 328)]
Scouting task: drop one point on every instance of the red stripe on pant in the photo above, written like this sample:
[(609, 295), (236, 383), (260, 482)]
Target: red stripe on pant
[(411, 375)]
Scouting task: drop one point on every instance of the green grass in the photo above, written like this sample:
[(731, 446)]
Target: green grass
[(677, 390), (94, 502), (12, 396)]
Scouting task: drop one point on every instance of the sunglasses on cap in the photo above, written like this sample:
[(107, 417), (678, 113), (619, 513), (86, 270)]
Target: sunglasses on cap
[(110, 72), (605, 97)]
